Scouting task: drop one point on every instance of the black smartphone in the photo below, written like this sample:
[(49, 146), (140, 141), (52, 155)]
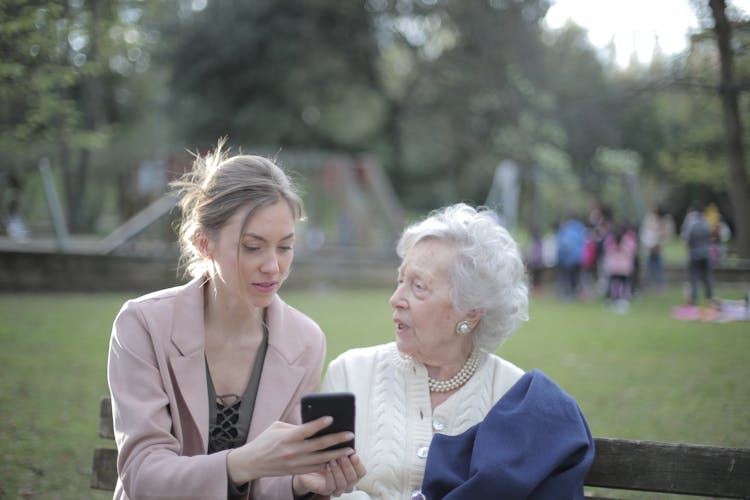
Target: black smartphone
[(339, 405)]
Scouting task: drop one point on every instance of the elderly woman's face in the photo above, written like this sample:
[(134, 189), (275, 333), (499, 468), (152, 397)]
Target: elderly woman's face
[(422, 307)]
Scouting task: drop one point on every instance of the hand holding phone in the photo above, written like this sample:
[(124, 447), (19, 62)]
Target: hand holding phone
[(339, 405)]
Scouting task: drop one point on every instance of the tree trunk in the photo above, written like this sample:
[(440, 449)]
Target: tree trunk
[(739, 189)]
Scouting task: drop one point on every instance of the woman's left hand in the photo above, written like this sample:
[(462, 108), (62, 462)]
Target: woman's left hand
[(338, 477)]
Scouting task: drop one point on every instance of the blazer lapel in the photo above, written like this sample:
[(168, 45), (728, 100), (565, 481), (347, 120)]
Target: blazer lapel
[(188, 367), (281, 374), (280, 378)]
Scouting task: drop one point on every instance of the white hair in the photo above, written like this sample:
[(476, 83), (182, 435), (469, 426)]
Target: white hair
[(488, 274)]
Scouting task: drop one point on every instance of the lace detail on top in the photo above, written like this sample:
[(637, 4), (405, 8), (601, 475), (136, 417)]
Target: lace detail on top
[(230, 414), (223, 433)]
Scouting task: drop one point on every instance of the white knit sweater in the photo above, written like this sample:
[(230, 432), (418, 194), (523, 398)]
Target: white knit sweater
[(395, 422)]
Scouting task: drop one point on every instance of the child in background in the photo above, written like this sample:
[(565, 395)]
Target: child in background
[(619, 260), (535, 259)]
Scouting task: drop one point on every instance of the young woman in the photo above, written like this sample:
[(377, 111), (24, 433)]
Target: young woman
[(206, 378)]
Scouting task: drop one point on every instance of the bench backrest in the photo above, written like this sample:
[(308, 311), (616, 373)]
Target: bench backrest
[(619, 464)]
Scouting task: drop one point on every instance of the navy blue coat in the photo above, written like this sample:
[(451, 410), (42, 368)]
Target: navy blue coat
[(533, 444)]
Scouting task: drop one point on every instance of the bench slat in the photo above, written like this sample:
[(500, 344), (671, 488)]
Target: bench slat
[(104, 467), (106, 429), (671, 468), (104, 470)]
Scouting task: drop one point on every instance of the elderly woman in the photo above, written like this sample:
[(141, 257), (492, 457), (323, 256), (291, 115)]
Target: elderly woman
[(439, 415)]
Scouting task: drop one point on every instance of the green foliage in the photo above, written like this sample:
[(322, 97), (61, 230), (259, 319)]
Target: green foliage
[(296, 74), (617, 162), (34, 74), (691, 148), (64, 78), (586, 102), (483, 93), (438, 92), (672, 115)]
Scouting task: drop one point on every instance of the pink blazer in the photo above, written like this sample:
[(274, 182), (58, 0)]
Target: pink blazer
[(157, 380)]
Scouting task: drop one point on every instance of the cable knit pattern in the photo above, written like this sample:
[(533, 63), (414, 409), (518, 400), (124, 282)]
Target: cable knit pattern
[(388, 417), (475, 402), (395, 421)]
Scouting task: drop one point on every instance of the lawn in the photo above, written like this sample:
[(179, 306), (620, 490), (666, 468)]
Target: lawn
[(640, 375)]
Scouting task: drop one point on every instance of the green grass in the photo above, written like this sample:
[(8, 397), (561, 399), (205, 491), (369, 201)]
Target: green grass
[(52, 373), (641, 375)]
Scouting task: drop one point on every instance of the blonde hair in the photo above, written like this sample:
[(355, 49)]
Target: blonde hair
[(215, 188)]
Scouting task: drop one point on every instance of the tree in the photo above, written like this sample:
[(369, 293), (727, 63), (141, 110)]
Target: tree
[(34, 79), (64, 67), (291, 74), (671, 117), (739, 188), (588, 101), (467, 81), (437, 90)]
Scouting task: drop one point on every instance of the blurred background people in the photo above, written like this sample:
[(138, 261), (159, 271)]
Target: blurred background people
[(696, 232), (589, 264), (535, 258), (600, 222), (720, 233), (620, 249), (571, 238), (657, 229), (11, 218)]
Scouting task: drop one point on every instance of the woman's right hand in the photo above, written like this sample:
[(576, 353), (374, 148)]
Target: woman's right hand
[(284, 449), (339, 476)]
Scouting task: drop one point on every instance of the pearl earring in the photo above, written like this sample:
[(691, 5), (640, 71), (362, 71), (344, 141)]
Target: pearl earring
[(463, 328)]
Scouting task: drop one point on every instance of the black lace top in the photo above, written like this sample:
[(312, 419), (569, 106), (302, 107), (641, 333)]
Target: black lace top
[(230, 414)]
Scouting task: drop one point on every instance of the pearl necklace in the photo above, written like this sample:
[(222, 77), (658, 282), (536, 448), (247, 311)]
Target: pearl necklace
[(457, 380)]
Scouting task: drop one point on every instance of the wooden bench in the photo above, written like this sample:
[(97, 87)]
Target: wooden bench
[(619, 464)]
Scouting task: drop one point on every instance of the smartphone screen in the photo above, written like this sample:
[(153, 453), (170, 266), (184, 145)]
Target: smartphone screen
[(339, 405)]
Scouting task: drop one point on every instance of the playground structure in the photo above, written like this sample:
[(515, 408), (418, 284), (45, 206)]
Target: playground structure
[(353, 220), (351, 208), (350, 203)]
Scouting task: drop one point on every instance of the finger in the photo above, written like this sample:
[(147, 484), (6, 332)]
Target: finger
[(330, 484), (299, 470), (330, 481), (316, 461), (328, 440), (359, 471), (348, 471), (359, 467), (308, 429), (311, 455), (344, 482), (339, 478)]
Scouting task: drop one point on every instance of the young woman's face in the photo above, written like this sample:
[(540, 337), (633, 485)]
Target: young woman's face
[(265, 254), (422, 308)]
